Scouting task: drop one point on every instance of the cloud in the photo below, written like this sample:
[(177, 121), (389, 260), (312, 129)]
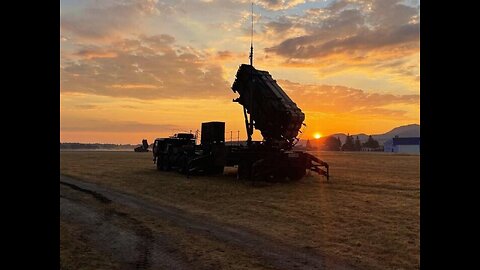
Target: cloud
[(147, 67), (86, 106), (385, 113), (225, 55), (104, 125), (364, 40), (280, 26), (349, 27), (95, 52), (228, 56), (341, 99), (279, 4), (107, 19)]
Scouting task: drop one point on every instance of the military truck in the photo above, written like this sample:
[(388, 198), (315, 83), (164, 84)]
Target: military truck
[(143, 147), (266, 107)]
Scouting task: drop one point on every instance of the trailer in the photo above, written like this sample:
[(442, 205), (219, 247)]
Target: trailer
[(266, 107)]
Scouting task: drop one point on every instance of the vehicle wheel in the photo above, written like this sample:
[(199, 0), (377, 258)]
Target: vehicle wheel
[(244, 170), (295, 174), (159, 163), (259, 171), (166, 163), (216, 170), (184, 164)]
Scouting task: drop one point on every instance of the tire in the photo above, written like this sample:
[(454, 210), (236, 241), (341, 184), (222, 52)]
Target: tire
[(166, 163), (258, 171), (216, 170), (244, 170), (184, 164), (160, 163), (296, 173)]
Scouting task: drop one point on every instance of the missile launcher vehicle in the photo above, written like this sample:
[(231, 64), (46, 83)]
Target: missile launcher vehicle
[(267, 108)]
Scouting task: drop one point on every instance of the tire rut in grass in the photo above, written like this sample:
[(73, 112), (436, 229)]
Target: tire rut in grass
[(117, 233), (273, 252)]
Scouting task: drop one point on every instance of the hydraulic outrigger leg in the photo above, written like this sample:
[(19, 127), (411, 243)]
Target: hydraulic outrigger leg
[(316, 167)]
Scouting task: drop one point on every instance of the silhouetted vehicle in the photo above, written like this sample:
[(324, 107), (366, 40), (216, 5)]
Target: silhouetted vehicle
[(179, 152), (269, 109), (143, 147), (266, 107)]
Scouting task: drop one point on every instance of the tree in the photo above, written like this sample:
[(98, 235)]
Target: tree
[(358, 145), (308, 146), (332, 144), (371, 143), (349, 145)]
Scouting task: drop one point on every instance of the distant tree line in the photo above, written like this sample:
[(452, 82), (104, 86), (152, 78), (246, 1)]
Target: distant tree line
[(94, 146), (334, 144)]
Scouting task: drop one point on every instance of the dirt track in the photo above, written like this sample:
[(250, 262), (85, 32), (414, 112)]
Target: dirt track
[(108, 225)]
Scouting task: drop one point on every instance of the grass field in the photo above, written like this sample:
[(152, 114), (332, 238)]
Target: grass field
[(368, 214)]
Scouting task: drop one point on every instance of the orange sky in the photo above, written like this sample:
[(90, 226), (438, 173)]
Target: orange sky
[(147, 69)]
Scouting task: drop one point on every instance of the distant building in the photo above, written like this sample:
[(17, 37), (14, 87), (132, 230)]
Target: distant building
[(370, 149), (402, 145)]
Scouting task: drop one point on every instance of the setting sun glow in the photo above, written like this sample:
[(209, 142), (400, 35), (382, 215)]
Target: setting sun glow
[(132, 70)]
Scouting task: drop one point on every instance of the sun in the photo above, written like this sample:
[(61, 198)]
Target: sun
[(317, 135)]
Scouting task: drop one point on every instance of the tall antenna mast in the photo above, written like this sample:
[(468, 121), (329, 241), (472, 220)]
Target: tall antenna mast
[(251, 42)]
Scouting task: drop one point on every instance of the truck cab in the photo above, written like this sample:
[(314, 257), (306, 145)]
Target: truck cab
[(168, 152)]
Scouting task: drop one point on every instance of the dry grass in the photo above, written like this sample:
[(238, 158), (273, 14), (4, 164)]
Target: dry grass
[(76, 253), (368, 214)]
